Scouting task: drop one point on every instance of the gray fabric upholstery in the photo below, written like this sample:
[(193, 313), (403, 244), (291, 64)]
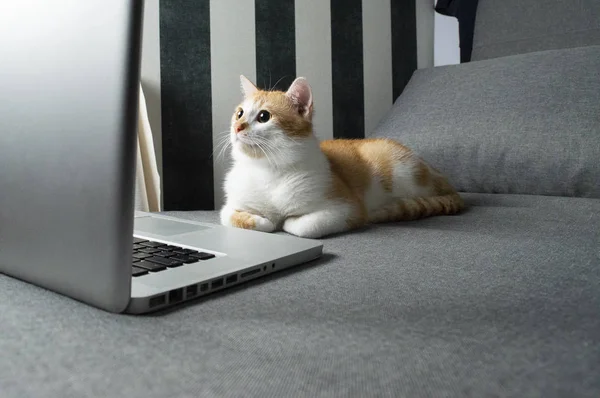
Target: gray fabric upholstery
[(521, 124), (500, 301), (511, 27)]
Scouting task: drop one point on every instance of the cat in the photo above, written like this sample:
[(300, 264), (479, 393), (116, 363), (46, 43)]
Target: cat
[(282, 177)]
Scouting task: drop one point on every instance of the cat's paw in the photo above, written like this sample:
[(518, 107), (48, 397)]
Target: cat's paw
[(241, 219), (320, 223), (303, 227), (263, 224)]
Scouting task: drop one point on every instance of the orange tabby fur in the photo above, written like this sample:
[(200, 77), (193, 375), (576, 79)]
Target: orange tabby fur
[(356, 163)]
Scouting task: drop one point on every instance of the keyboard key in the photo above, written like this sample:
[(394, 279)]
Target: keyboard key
[(147, 265), (135, 260), (137, 246), (152, 244), (135, 271), (202, 256), (167, 262), (164, 253), (141, 256), (138, 240), (184, 259), (180, 250), (162, 247), (149, 250)]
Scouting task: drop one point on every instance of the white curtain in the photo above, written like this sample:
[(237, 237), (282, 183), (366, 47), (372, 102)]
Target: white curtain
[(147, 179)]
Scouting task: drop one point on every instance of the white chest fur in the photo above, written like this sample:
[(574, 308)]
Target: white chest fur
[(256, 187)]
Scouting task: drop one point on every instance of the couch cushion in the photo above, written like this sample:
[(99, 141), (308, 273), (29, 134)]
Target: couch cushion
[(511, 27), (521, 124), (500, 301)]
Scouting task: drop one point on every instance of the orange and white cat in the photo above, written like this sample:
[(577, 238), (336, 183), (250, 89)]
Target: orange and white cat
[(284, 178)]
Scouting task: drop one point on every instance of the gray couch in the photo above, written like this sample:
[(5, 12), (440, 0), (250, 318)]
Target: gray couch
[(503, 300)]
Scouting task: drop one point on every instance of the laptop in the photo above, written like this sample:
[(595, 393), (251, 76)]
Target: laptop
[(69, 79)]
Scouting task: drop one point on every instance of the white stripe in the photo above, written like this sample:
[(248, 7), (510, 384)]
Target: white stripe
[(425, 14), (150, 76), (313, 59), (447, 41), (377, 55), (233, 52)]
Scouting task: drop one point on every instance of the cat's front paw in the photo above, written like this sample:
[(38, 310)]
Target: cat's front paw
[(263, 224), (303, 227), (241, 219), (320, 223)]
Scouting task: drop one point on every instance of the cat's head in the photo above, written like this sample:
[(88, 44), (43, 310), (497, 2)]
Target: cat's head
[(271, 124)]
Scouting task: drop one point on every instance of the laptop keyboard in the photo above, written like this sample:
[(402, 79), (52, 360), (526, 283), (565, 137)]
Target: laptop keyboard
[(149, 256)]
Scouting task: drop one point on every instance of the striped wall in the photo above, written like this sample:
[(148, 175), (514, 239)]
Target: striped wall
[(357, 54)]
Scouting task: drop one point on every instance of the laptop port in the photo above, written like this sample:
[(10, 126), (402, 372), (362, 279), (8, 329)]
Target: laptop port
[(191, 291), (204, 287), (250, 273), (216, 283), (231, 279), (175, 296), (157, 300)]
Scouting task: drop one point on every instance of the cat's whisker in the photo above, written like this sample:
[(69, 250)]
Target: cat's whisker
[(221, 134), (224, 135), (264, 152), (276, 153), (295, 141), (222, 145), (277, 82), (267, 144), (217, 150), (224, 150), (273, 155), (222, 140), (221, 154), (268, 149), (274, 149), (272, 162)]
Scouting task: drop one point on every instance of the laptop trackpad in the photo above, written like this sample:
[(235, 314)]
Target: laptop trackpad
[(162, 227)]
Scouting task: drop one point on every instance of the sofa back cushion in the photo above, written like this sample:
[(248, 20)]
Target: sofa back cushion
[(525, 124), (508, 27)]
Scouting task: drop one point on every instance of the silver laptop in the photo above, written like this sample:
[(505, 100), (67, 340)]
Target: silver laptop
[(69, 75)]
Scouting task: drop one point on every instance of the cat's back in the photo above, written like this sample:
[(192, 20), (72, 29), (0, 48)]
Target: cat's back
[(363, 148), (357, 156), (374, 169)]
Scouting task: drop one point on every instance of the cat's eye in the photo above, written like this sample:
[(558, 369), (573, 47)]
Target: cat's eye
[(239, 113), (263, 117)]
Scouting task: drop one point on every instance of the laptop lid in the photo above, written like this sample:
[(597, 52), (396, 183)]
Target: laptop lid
[(69, 78)]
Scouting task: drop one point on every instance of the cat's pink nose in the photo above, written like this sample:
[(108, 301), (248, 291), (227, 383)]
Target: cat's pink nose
[(240, 127)]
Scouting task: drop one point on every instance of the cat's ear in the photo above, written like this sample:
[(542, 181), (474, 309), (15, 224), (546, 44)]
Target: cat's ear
[(248, 88), (301, 94)]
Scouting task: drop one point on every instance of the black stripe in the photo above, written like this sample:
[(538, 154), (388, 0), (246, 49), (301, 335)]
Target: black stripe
[(275, 43), (347, 69), (404, 43), (186, 105)]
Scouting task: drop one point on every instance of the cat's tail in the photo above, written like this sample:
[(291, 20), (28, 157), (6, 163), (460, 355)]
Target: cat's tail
[(415, 208)]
